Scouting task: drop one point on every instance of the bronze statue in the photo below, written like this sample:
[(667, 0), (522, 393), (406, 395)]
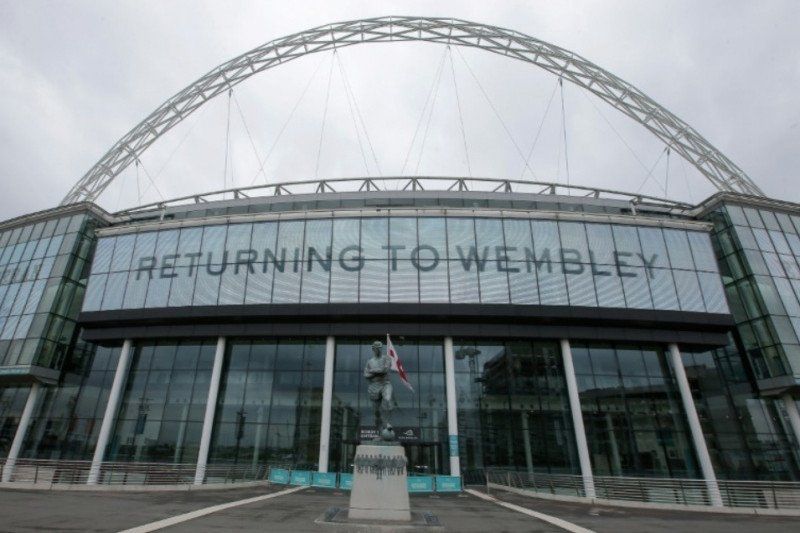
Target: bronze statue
[(380, 390)]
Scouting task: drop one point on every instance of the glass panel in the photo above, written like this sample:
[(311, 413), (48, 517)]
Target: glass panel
[(688, 288), (601, 243), (115, 291), (286, 286), (635, 286), (460, 239), (552, 285), (206, 289), (189, 242), (609, 290), (518, 239), (463, 282), (662, 287), (316, 276), (232, 285), (375, 238), (680, 256), (580, 284), (374, 282), (573, 237), (94, 292), (123, 251), (102, 255), (431, 261)]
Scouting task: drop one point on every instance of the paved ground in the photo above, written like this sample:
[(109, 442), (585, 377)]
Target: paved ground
[(27, 510), (108, 511), (614, 519)]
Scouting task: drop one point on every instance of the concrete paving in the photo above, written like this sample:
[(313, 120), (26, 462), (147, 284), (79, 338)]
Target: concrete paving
[(22, 511), (102, 511), (616, 519)]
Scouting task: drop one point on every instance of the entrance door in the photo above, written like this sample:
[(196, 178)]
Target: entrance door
[(425, 458)]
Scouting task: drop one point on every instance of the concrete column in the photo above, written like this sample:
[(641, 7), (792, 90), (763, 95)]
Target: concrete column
[(694, 426), (110, 415), (452, 406), (526, 441), (22, 431), (211, 408), (327, 400), (577, 419), (794, 418)]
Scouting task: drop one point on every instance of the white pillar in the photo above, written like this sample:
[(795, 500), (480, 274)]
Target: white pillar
[(110, 415), (794, 418), (577, 419), (452, 406), (526, 442), (327, 400), (211, 407), (694, 426), (22, 431)]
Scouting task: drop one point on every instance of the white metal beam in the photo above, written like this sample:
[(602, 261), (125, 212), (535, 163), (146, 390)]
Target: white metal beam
[(674, 132)]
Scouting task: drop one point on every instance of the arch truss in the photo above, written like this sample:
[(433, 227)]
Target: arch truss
[(674, 132)]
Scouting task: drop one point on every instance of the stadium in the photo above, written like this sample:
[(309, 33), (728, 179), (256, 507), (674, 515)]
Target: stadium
[(548, 329)]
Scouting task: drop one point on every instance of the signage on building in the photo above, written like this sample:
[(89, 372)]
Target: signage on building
[(423, 258)]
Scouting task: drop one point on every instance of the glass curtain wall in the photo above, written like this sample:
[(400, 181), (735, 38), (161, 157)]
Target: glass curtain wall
[(759, 252), (634, 419), (162, 409), (67, 421), (270, 403), (423, 410), (12, 402), (411, 260), (746, 435), (513, 409), (43, 271)]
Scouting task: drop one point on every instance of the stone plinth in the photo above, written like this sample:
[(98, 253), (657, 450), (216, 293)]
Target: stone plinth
[(379, 488)]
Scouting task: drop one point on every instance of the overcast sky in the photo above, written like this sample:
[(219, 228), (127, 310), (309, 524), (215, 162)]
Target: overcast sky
[(76, 76)]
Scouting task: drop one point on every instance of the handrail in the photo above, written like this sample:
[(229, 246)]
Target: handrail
[(751, 494), (67, 472)]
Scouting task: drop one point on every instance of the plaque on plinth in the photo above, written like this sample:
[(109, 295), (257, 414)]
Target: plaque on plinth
[(380, 490)]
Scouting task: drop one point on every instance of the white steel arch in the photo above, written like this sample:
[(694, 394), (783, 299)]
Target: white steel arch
[(678, 135)]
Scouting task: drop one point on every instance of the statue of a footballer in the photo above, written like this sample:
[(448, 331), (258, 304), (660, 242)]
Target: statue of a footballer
[(376, 372)]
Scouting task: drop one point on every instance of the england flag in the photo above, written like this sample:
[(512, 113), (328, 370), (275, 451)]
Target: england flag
[(397, 364)]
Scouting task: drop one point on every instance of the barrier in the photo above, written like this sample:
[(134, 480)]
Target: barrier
[(420, 483), (448, 484), (345, 481), (300, 478), (279, 476), (326, 480)]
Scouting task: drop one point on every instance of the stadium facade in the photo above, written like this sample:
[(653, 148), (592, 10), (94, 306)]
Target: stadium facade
[(545, 329), (540, 332)]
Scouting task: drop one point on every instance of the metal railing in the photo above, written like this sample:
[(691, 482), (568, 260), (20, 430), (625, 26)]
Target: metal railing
[(672, 491), (406, 184), (57, 472)]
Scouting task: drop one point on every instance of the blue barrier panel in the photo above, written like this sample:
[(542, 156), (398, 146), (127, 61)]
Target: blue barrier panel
[(279, 475), (324, 479), (300, 477), (448, 484), (420, 484), (345, 481)]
